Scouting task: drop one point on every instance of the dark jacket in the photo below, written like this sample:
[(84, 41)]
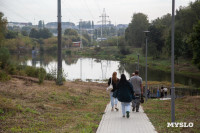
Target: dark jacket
[(114, 84), (124, 92)]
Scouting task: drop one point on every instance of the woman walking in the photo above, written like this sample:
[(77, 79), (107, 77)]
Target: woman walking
[(124, 94), (114, 81)]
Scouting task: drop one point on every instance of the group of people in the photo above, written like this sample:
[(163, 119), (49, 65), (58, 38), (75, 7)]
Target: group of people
[(163, 92), (126, 91)]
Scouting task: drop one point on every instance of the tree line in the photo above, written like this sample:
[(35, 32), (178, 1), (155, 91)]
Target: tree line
[(187, 33)]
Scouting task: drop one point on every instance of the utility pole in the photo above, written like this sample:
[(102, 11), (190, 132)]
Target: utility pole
[(59, 72), (80, 25), (146, 67), (172, 66), (117, 35), (103, 21), (138, 62), (92, 32)]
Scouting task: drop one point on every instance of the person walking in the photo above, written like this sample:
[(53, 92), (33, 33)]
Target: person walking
[(162, 92), (114, 81), (136, 82), (124, 94), (165, 91)]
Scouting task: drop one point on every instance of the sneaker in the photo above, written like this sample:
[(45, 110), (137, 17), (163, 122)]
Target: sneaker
[(127, 114), (137, 110), (117, 109), (123, 116)]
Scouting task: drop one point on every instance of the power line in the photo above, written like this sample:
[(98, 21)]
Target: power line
[(29, 9), (8, 8), (88, 9), (72, 14), (97, 4)]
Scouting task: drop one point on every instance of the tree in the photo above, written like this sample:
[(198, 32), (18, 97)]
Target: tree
[(134, 33), (159, 30), (186, 18), (44, 33), (71, 32), (3, 23), (27, 29), (11, 34), (24, 33), (195, 42), (34, 33)]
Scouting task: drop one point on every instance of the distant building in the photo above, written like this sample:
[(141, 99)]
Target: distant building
[(101, 39), (18, 24), (76, 44), (65, 25), (119, 26)]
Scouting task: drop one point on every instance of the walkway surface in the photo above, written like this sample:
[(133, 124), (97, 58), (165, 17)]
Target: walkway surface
[(113, 122)]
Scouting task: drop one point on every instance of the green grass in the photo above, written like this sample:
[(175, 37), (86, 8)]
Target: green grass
[(186, 110)]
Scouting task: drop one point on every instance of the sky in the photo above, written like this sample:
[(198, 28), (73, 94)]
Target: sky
[(119, 11)]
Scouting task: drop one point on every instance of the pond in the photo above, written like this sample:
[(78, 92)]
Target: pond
[(91, 69)]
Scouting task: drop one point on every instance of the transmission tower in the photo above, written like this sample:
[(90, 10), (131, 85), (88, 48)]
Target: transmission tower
[(103, 22)]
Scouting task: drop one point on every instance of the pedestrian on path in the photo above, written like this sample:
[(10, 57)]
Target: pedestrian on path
[(114, 81), (165, 91), (162, 92), (136, 82), (124, 94)]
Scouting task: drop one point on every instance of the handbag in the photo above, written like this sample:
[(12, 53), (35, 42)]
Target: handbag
[(142, 99), (110, 87)]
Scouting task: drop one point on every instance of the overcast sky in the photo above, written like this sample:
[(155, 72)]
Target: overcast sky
[(119, 11)]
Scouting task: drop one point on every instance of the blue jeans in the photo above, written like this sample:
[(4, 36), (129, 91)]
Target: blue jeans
[(113, 100), (125, 107)]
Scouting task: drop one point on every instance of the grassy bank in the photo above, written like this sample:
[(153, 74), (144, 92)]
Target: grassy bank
[(186, 110), (183, 66), (29, 107)]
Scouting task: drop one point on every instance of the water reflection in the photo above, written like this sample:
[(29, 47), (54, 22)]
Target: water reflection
[(96, 69)]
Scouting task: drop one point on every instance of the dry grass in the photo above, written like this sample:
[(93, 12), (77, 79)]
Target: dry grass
[(186, 110), (28, 107)]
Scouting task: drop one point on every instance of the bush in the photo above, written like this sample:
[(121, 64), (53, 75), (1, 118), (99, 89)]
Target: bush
[(4, 76), (68, 52), (124, 50), (4, 57), (32, 71), (50, 77), (42, 75), (11, 69), (97, 49)]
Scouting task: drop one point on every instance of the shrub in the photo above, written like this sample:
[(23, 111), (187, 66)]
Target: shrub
[(42, 75), (50, 77), (4, 57), (11, 69), (68, 52), (31, 71), (124, 50), (97, 49), (4, 76)]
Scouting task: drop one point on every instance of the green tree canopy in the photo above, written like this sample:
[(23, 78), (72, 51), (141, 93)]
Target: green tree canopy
[(195, 42), (71, 32), (134, 33), (3, 23), (42, 33)]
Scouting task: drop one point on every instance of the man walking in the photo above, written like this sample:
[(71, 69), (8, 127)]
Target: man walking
[(136, 81)]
